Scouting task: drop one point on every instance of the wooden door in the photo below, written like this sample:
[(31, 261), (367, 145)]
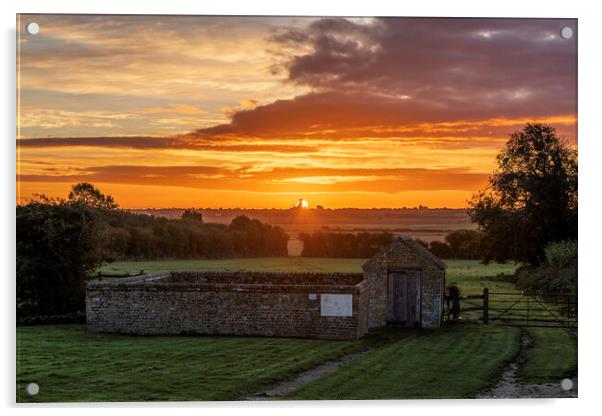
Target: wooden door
[(403, 302)]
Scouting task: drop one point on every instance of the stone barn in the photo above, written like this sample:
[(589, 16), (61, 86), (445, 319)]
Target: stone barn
[(401, 285), (407, 286)]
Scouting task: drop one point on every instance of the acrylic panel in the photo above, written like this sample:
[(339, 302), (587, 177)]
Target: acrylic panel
[(283, 207)]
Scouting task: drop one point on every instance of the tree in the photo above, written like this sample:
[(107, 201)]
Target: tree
[(58, 245), (531, 199), (464, 244), (86, 194), (343, 245), (440, 249), (557, 274), (192, 214)]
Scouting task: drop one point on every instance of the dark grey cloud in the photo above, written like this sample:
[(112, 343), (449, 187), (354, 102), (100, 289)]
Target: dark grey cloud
[(500, 66), (410, 70)]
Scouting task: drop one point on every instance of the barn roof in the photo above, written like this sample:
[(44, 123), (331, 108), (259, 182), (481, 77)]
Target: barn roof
[(413, 245)]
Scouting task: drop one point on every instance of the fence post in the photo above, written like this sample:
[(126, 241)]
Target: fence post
[(486, 306)]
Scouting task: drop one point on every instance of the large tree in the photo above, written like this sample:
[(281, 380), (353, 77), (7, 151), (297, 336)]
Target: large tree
[(59, 243), (531, 199)]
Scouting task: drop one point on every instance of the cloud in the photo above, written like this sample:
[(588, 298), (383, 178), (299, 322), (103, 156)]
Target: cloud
[(174, 109), (396, 72), (353, 115), (128, 63), (137, 142), (274, 180), (319, 105), (445, 58), (342, 77), (48, 118), (158, 143)]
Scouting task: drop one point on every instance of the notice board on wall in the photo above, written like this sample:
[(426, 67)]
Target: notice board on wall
[(332, 304)]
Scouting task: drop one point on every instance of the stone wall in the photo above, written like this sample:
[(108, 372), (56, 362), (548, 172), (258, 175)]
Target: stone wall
[(400, 255), (267, 304)]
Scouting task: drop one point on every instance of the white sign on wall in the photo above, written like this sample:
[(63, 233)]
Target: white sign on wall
[(336, 304)]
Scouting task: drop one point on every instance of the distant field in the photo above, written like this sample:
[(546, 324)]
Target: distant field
[(472, 276), (269, 264), (458, 270), (426, 224), (425, 232)]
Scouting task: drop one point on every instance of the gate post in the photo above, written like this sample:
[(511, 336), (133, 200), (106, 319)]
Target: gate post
[(486, 306)]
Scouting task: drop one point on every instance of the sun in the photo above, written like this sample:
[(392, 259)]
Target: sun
[(302, 203)]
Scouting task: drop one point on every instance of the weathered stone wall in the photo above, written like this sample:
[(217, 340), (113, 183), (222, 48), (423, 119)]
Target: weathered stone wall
[(267, 304), (399, 256)]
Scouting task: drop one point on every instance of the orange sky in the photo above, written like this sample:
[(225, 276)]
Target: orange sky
[(258, 112)]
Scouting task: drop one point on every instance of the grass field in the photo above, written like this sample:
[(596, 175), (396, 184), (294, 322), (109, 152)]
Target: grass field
[(449, 363), (467, 272), (70, 364), (269, 264), (553, 356)]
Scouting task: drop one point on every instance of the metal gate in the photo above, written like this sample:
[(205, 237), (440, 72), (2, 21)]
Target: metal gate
[(525, 309), (545, 310)]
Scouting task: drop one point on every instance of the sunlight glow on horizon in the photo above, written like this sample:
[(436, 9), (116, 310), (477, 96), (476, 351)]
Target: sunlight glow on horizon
[(251, 112), (302, 203)]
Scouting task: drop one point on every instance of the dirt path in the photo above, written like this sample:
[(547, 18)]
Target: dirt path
[(509, 386), (288, 386)]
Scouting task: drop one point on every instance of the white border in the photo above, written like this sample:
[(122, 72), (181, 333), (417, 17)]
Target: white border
[(590, 151)]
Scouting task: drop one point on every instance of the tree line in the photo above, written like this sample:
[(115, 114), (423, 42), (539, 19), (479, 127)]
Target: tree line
[(61, 242), (141, 237), (346, 245), (459, 244)]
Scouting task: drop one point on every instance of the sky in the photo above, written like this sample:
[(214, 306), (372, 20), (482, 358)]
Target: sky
[(257, 112)]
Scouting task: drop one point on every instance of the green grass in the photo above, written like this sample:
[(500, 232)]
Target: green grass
[(553, 356), (465, 272), (269, 264), (70, 364), (452, 362), (472, 276)]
